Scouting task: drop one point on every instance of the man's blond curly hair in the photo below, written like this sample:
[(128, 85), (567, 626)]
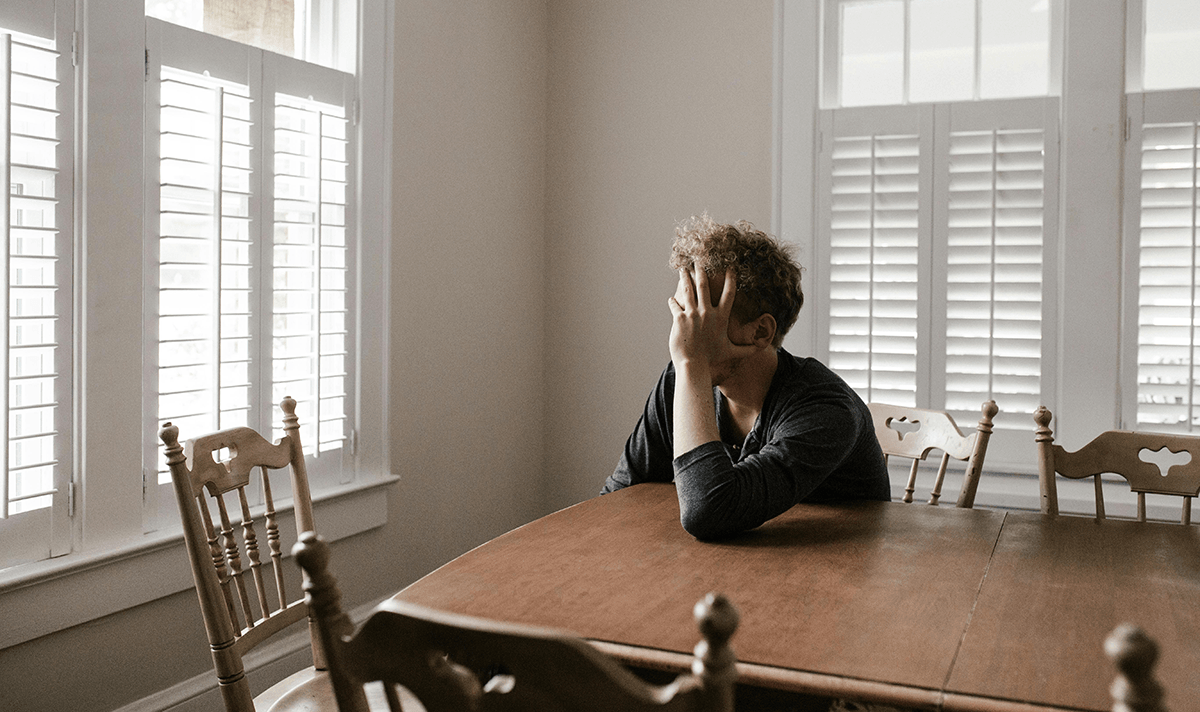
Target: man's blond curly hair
[(768, 279)]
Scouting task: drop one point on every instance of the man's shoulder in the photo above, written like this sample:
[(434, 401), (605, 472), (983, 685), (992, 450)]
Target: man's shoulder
[(807, 372)]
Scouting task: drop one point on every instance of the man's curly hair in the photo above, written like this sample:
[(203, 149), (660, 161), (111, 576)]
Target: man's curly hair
[(768, 279)]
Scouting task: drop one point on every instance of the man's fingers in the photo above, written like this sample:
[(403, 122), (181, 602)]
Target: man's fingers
[(686, 295), (673, 305), (728, 290), (702, 297)]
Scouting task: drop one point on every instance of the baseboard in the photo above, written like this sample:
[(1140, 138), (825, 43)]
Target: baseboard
[(265, 665)]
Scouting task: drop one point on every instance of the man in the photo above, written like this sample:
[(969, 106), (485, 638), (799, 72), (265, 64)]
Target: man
[(744, 428)]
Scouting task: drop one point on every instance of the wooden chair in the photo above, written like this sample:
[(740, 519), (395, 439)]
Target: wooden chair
[(914, 432), (455, 662), (1118, 452), (240, 609), (1134, 653)]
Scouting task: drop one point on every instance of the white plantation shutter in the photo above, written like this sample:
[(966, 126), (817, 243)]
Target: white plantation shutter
[(251, 217), (1164, 210), (937, 224), (36, 219), (310, 327), (873, 265), (205, 254), (995, 228)]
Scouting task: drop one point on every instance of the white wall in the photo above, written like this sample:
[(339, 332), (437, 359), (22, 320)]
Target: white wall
[(658, 110)]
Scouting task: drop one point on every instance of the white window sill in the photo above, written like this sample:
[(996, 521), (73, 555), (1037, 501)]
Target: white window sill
[(47, 596)]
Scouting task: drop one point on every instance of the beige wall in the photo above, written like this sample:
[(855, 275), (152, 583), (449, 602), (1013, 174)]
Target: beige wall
[(658, 110), (467, 275)]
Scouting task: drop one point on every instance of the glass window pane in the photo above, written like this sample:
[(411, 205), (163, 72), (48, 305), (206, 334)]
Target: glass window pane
[(872, 53), (1015, 48), (942, 50), (1172, 44)]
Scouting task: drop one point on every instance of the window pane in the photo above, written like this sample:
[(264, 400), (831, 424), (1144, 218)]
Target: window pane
[(872, 53), (318, 31), (1015, 48), (942, 50), (1172, 44)]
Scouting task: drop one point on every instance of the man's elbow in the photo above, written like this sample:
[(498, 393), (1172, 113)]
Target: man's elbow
[(705, 523)]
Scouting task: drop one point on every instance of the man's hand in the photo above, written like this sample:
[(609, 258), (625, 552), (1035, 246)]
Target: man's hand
[(700, 332)]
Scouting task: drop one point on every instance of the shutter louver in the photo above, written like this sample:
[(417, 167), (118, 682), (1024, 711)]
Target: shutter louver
[(310, 338), (1167, 298), (205, 249), (873, 266), (36, 393), (994, 273)]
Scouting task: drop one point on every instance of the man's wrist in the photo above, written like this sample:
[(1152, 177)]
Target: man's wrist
[(691, 366)]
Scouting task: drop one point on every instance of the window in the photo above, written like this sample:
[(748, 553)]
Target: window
[(255, 242), (1162, 219), (936, 213), (36, 219), (212, 249)]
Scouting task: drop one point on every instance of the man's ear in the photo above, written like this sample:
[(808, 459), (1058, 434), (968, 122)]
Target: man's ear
[(764, 330)]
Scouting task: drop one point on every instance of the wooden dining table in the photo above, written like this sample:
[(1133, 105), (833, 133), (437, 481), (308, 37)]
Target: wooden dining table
[(912, 605)]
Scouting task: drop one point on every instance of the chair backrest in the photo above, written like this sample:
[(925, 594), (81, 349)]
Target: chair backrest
[(1118, 452), (915, 432), (1134, 654), (455, 662), (240, 609)]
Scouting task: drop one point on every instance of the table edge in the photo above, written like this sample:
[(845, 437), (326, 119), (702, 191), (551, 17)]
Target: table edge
[(826, 685)]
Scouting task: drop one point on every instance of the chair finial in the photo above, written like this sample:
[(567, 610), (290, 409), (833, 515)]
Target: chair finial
[(320, 587), (170, 437), (716, 617), (989, 409), (715, 662), (1134, 653)]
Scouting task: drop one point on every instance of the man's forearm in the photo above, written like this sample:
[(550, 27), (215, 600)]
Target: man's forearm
[(695, 420)]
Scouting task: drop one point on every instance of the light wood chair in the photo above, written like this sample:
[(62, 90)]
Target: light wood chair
[(455, 662), (915, 432), (241, 610), (1134, 654), (1118, 452)]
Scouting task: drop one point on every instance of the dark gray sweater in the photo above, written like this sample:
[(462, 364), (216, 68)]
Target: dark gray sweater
[(813, 441)]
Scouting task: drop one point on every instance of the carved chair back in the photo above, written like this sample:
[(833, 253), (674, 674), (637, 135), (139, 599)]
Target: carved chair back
[(913, 433), (454, 662), (1124, 453), (241, 609)]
